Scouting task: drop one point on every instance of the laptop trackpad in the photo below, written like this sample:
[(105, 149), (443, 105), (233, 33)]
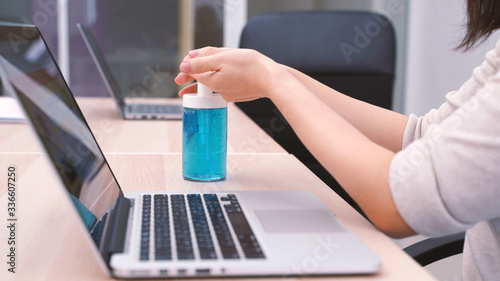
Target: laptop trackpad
[(297, 221)]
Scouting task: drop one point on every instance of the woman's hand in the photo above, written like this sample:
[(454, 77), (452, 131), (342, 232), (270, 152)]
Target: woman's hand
[(237, 74)]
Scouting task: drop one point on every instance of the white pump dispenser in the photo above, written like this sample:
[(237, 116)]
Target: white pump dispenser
[(204, 99), (204, 90)]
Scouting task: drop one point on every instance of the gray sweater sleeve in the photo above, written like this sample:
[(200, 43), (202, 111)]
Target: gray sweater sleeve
[(447, 177)]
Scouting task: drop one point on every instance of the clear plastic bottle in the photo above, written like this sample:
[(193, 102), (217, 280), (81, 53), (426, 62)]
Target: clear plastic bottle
[(204, 136)]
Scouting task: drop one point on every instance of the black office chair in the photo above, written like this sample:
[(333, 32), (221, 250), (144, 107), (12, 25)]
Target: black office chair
[(431, 250), (352, 52)]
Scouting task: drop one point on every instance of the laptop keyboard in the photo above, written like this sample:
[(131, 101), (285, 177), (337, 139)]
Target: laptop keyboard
[(154, 109), (156, 224)]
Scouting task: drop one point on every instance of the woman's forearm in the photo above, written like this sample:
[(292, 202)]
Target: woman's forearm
[(380, 125), (359, 165)]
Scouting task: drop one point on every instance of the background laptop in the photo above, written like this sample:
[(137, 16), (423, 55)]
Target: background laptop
[(153, 234), (127, 110)]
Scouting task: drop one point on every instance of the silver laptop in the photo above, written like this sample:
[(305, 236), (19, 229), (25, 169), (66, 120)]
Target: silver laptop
[(131, 110), (171, 234)]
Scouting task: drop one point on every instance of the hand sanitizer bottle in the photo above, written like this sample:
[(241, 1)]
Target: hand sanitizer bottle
[(204, 136)]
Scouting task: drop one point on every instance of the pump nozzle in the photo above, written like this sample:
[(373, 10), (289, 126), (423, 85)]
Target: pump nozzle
[(205, 98), (204, 90)]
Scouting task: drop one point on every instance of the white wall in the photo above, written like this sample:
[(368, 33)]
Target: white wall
[(235, 13), (397, 12), (433, 67)]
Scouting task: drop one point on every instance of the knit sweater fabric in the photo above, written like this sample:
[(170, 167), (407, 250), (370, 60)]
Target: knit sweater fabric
[(446, 179)]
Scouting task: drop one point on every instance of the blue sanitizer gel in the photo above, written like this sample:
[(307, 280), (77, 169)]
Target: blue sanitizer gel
[(204, 144), (204, 136)]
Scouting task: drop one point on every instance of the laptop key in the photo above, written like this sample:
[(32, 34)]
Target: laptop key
[(226, 243), (145, 228), (200, 224), (181, 228), (163, 248)]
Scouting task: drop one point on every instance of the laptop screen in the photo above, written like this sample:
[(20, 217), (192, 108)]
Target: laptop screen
[(28, 71), (102, 65)]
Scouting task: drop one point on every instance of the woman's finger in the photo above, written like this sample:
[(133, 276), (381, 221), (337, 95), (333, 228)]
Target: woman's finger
[(186, 58), (183, 78), (193, 88), (201, 65)]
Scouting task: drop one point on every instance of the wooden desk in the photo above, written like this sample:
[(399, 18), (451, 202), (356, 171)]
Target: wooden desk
[(52, 244), (116, 135), (145, 155)]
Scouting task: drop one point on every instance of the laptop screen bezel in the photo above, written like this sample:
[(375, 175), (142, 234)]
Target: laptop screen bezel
[(9, 89), (103, 67)]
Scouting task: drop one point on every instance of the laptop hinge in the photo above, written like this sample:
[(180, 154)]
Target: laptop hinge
[(114, 237)]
